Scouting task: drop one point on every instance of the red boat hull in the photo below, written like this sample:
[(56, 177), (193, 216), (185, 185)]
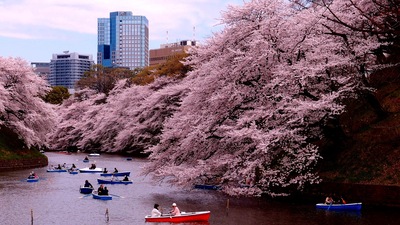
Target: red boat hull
[(185, 217)]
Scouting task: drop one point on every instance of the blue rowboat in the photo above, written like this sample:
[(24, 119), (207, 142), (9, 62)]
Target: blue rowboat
[(207, 187), (85, 190), (348, 206), (101, 197), (57, 170), (36, 179), (73, 171), (119, 174), (86, 160), (111, 181)]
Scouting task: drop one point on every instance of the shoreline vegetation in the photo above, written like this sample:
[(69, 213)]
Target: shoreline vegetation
[(15, 155), (21, 159)]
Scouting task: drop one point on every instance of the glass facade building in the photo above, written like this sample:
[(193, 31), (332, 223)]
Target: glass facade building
[(66, 69), (123, 40)]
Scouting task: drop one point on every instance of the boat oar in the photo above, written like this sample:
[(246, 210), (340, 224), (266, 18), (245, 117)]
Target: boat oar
[(330, 205), (117, 196), (85, 196)]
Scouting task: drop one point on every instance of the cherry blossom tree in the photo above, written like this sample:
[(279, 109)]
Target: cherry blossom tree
[(260, 92), (77, 119), (248, 115), (22, 109), (128, 120)]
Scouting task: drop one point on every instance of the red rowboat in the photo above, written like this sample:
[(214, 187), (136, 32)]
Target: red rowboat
[(184, 217)]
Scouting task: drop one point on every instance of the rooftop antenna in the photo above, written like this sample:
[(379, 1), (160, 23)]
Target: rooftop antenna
[(194, 33)]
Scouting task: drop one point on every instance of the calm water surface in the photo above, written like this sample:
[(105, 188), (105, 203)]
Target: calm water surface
[(55, 199)]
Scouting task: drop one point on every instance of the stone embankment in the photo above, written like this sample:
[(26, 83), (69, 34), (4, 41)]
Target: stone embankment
[(7, 165)]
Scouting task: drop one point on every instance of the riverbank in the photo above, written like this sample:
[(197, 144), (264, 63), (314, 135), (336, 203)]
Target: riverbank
[(18, 160), (19, 164), (15, 155)]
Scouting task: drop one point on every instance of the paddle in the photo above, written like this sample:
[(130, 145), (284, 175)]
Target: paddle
[(117, 196), (85, 196), (330, 205)]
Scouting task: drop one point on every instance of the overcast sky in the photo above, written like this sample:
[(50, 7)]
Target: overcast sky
[(35, 29)]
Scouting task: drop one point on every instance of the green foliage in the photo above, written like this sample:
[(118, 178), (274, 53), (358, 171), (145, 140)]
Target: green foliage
[(57, 95), (19, 154), (103, 79)]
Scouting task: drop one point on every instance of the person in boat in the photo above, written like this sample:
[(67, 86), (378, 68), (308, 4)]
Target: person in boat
[(88, 184), (73, 168), (86, 158), (32, 175), (115, 170), (126, 178), (58, 167), (93, 166), (175, 210), (155, 212), (328, 200), (100, 190), (342, 201), (105, 191)]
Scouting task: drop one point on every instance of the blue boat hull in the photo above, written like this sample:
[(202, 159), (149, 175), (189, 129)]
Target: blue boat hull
[(104, 181), (32, 180), (86, 190), (119, 174), (349, 206), (57, 170), (102, 197)]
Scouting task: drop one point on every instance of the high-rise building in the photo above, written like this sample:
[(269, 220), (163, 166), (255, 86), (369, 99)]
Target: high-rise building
[(67, 68), (166, 51), (123, 40)]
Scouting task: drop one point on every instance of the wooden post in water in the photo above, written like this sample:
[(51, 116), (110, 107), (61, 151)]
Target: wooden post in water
[(31, 216), (227, 206), (107, 216)]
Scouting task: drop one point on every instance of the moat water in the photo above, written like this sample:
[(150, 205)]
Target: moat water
[(55, 199)]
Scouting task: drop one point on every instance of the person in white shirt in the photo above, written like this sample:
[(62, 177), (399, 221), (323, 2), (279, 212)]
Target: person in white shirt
[(155, 212), (175, 210)]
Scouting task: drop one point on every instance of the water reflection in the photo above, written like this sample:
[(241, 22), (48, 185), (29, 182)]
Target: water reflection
[(334, 213)]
